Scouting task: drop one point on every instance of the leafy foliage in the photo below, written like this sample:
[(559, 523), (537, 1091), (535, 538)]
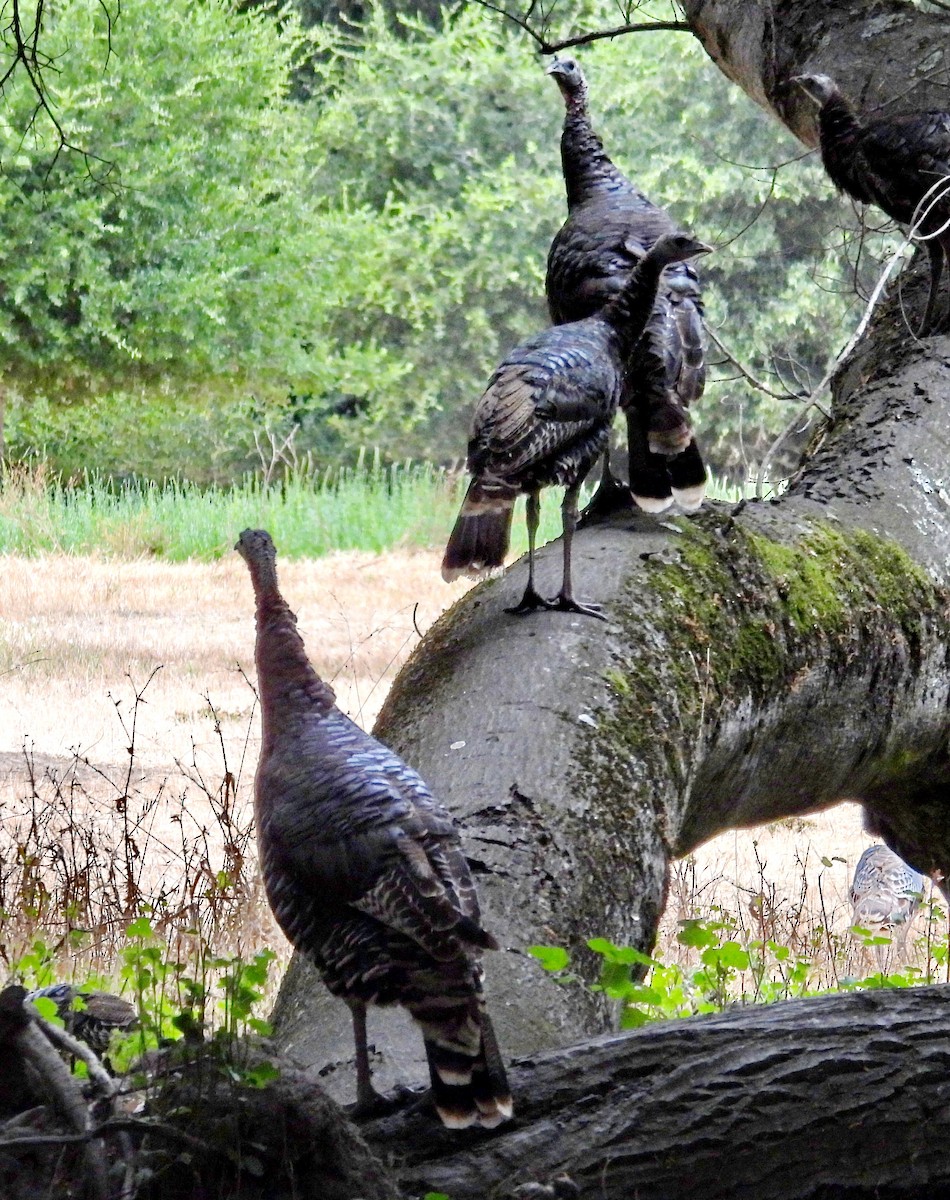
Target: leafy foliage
[(181, 259), (459, 148), (226, 260), (727, 970), (206, 996)]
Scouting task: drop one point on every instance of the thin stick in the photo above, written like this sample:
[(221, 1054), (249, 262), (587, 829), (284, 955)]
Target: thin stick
[(829, 374)]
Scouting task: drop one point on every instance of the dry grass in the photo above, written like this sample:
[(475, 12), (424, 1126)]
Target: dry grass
[(82, 636)]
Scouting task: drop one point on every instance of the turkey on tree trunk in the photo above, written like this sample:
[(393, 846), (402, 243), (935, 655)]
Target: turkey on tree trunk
[(364, 871), (544, 419), (901, 163), (611, 224)]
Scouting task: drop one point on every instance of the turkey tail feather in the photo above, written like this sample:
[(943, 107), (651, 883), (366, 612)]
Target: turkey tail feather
[(479, 541), (688, 477), (469, 1083), (489, 1080)]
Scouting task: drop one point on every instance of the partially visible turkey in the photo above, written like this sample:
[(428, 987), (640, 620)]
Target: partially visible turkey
[(545, 418), (900, 162), (95, 1016), (611, 224), (364, 871), (885, 892)]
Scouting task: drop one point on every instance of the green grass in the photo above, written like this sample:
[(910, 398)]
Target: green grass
[(366, 507)]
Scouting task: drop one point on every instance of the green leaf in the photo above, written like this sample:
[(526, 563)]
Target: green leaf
[(620, 954), (261, 1075), (552, 958), (695, 933), (731, 954), (47, 1009)]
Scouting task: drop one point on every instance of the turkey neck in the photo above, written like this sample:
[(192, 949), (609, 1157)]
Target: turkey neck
[(587, 169), (840, 132), (288, 684), (630, 309)]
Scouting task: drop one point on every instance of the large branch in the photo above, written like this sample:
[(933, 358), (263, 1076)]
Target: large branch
[(848, 1093), (888, 53), (758, 663)]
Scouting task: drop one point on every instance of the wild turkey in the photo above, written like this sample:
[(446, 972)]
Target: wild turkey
[(544, 419), (363, 869), (610, 226), (900, 163), (885, 892), (94, 1018)]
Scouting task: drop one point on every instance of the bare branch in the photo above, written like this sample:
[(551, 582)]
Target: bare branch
[(747, 374), (581, 39), (72, 1045), (812, 401), (521, 22), (584, 39)]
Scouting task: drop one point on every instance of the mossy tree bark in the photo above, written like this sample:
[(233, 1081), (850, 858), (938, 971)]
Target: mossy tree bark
[(759, 662)]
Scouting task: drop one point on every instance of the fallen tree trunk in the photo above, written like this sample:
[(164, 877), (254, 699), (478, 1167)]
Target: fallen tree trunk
[(829, 1097)]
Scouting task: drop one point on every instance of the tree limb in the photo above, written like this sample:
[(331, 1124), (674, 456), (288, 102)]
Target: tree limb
[(852, 1088), (548, 46)]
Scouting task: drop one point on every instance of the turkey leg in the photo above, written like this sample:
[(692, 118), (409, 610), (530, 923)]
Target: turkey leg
[(565, 601), (531, 601)]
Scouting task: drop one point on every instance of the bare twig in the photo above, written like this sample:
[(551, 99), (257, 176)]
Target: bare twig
[(747, 374), (580, 39), (584, 39), (65, 1041), (812, 401), (24, 1037), (825, 927), (113, 1125)]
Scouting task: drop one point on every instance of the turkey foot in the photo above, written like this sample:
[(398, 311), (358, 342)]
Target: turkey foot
[(530, 602), (375, 1104), (612, 496), (562, 603), (401, 1099)]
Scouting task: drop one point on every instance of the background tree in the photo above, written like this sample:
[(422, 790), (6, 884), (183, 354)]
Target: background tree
[(362, 288)]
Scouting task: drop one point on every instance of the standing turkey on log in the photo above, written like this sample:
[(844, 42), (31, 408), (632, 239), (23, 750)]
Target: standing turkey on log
[(610, 226), (900, 163), (364, 871), (545, 418)]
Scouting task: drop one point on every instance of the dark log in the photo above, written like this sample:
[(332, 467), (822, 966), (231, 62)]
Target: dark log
[(840, 1096)]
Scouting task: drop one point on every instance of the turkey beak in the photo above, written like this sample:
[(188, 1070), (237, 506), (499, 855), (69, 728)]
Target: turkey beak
[(556, 68), (702, 248)]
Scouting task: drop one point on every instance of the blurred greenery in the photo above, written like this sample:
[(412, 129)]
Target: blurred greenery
[(366, 506), (223, 263)]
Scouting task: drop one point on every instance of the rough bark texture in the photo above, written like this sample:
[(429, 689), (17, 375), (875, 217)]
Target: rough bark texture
[(882, 53), (757, 663), (854, 1089)]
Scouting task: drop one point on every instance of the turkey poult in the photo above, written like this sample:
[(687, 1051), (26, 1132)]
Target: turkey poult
[(901, 163), (364, 871), (611, 224), (545, 418)]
